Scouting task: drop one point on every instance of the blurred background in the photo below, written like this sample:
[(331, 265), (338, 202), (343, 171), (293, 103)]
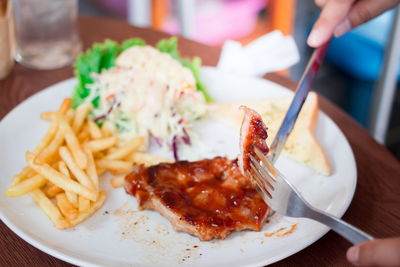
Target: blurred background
[(348, 76)]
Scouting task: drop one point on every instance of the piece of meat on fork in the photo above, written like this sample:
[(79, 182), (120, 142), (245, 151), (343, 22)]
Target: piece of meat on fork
[(253, 132)]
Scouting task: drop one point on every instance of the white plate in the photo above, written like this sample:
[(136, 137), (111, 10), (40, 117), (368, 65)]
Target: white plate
[(118, 235)]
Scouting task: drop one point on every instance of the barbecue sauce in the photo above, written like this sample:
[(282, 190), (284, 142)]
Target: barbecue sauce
[(209, 194)]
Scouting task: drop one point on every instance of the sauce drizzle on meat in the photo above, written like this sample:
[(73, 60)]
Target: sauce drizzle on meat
[(208, 198), (253, 132)]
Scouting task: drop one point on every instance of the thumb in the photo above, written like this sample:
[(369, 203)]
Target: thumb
[(379, 252), (363, 11)]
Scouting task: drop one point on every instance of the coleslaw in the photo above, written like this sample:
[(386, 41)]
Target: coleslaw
[(147, 93)]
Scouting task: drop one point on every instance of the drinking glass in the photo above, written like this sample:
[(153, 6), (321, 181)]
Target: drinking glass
[(46, 35)]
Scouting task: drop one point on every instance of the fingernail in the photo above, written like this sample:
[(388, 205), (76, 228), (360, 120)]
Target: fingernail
[(320, 3), (342, 28), (315, 38), (353, 254)]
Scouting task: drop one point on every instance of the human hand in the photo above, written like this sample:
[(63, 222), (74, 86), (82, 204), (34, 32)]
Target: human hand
[(379, 252), (340, 16)]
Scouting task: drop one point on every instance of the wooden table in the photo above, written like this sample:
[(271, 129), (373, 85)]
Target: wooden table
[(376, 204)]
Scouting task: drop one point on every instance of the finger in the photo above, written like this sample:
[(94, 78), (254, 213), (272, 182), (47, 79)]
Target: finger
[(380, 252), (365, 10), (333, 13), (320, 3)]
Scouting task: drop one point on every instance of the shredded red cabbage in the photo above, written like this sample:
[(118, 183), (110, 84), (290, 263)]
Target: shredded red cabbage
[(155, 139), (175, 148), (186, 137), (103, 116)]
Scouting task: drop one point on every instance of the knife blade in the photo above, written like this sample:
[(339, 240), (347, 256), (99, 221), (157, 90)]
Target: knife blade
[(299, 98)]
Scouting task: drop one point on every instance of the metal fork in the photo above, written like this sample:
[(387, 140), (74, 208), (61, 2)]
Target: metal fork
[(285, 199)]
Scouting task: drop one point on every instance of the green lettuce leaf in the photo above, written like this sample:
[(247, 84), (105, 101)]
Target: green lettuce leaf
[(102, 56)]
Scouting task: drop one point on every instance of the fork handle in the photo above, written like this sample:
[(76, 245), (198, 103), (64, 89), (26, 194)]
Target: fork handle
[(346, 230)]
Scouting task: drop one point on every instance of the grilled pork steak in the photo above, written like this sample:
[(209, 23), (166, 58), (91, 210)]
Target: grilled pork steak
[(209, 198), (253, 132)]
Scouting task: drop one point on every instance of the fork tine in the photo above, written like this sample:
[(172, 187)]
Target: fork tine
[(265, 196), (261, 177), (266, 163), (255, 164), (263, 191)]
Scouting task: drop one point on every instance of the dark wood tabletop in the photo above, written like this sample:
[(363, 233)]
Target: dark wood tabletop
[(376, 204)]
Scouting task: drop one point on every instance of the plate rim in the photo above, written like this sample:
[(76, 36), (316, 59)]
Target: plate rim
[(81, 262)]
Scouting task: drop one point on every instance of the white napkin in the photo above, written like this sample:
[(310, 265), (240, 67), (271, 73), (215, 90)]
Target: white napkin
[(269, 53)]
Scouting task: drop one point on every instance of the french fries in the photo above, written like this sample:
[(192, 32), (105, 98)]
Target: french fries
[(126, 149), (114, 166), (107, 129), (47, 137), (73, 143), (47, 115), (24, 174), (94, 130), (63, 171), (84, 135), (65, 106), (51, 149), (81, 114), (62, 181), (117, 181), (26, 186), (52, 190), (102, 144), (93, 208), (84, 204), (49, 209), (66, 208), (71, 196), (91, 169), (72, 165), (146, 159)]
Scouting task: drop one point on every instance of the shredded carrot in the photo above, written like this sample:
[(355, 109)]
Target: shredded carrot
[(110, 96)]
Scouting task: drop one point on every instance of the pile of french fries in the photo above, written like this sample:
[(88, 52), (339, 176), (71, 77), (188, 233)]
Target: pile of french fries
[(62, 172)]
